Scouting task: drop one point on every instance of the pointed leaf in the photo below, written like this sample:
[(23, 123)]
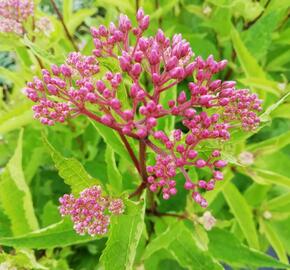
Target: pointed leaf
[(60, 234), (242, 212)]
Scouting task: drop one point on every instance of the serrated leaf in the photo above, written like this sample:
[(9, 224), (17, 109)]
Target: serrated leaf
[(60, 234), (13, 188), (114, 176), (226, 247), (71, 170), (243, 213), (124, 236)]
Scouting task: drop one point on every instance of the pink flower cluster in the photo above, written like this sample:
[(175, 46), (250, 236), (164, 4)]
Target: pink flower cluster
[(129, 100), (90, 212), (14, 18), (13, 13), (182, 155)]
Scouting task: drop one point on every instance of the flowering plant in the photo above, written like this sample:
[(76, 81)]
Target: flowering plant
[(75, 88), (157, 128)]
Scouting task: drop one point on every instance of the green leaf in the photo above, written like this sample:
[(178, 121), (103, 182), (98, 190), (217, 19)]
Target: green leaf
[(283, 111), (278, 202), (120, 5), (262, 84), (20, 259), (274, 241), (114, 176), (268, 177), (67, 10), (60, 234), (258, 37), (248, 62), (71, 170), (210, 196), (111, 138), (78, 17), (266, 115), (15, 195), (162, 241), (16, 120), (282, 228), (226, 247), (124, 236), (242, 212), (42, 53), (256, 193), (179, 241), (271, 145), (12, 76)]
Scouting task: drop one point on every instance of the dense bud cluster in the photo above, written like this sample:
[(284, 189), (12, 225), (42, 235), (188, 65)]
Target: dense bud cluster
[(90, 212), (183, 155), (129, 99), (15, 13)]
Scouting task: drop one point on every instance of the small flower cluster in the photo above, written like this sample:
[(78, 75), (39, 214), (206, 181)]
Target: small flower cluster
[(14, 14), (121, 101), (184, 155), (90, 212)]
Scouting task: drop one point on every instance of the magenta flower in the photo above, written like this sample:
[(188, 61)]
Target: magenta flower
[(80, 87)]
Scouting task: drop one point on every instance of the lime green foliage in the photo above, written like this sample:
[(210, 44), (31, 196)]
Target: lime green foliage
[(251, 206), (124, 237)]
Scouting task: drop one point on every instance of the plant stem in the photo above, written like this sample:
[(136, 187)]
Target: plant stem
[(137, 4), (98, 119), (158, 214), (130, 151), (139, 190), (142, 162), (63, 24), (142, 158)]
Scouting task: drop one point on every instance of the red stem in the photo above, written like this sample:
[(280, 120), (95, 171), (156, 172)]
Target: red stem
[(130, 151), (98, 119)]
